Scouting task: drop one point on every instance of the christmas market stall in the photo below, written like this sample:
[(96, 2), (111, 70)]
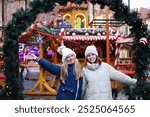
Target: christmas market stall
[(77, 39)]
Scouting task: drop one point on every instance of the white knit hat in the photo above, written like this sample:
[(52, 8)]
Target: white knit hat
[(59, 50), (65, 52), (91, 50)]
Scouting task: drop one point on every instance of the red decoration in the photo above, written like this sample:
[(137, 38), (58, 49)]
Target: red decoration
[(62, 32), (143, 41), (69, 4), (86, 34)]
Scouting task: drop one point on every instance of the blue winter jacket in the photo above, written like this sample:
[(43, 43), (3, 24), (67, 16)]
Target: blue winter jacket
[(72, 88)]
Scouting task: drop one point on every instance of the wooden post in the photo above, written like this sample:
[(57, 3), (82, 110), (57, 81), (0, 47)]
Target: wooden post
[(41, 83), (41, 56), (107, 38), (55, 56), (54, 47)]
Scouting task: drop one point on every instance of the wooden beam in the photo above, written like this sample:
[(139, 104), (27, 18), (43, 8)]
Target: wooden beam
[(41, 83), (107, 39)]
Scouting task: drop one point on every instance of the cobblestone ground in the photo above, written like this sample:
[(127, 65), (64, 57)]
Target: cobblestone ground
[(28, 84), (30, 79)]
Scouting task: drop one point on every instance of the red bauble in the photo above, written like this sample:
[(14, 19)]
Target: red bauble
[(62, 32), (143, 41)]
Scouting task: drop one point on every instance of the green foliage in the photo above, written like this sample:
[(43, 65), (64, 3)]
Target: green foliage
[(24, 18), (21, 20), (41, 6), (141, 91), (47, 29)]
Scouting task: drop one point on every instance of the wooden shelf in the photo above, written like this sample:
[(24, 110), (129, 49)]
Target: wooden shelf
[(128, 72), (125, 58)]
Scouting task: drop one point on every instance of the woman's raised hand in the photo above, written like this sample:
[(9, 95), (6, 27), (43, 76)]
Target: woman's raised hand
[(33, 56)]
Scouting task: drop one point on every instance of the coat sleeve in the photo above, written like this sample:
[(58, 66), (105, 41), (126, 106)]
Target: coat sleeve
[(84, 85), (121, 77), (52, 68)]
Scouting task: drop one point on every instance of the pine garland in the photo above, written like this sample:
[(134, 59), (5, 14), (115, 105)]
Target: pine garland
[(22, 19)]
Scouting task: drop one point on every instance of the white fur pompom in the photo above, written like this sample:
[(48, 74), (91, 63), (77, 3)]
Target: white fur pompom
[(60, 48)]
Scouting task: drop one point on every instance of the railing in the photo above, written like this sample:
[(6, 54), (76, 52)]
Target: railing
[(126, 68)]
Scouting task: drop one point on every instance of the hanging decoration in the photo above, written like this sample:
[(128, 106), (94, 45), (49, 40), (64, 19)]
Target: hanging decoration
[(143, 41), (62, 32)]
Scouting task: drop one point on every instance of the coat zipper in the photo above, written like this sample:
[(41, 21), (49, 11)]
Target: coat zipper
[(77, 89)]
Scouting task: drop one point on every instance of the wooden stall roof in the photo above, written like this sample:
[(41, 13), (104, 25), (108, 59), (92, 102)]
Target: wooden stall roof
[(33, 30), (125, 40), (26, 36)]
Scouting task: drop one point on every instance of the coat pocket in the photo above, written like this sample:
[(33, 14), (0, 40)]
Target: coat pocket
[(66, 94)]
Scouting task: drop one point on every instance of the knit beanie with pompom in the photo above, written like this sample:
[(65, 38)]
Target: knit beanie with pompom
[(65, 52)]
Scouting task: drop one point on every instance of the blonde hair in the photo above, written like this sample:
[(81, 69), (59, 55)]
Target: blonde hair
[(64, 70), (98, 60)]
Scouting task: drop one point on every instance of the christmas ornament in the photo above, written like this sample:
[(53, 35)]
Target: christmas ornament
[(68, 33), (98, 34), (143, 41), (62, 32), (69, 4), (86, 34), (73, 34)]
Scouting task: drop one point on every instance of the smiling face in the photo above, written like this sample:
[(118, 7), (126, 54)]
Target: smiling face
[(91, 57), (70, 59)]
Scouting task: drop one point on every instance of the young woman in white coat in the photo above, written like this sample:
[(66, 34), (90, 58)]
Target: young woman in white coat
[(98, 75)]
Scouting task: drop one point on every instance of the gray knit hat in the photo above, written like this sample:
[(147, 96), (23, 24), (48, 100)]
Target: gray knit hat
[(91, 50)]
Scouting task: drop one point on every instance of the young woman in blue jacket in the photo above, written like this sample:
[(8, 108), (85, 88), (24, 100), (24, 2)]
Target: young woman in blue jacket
[(70, 74)]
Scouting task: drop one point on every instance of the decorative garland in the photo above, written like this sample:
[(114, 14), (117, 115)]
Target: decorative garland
[(22, 19)]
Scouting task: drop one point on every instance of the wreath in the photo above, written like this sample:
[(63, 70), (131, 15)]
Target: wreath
[(22, 19)]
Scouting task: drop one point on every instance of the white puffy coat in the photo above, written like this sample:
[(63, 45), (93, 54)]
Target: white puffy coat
[(97, 84)]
